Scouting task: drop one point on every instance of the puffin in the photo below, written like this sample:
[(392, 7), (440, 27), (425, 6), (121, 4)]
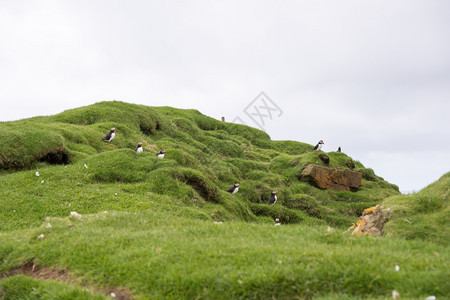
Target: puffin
[(139, 148), (339, 149), (273, 198), (161, 154), (108, 138), (234, 189), (318, 146)]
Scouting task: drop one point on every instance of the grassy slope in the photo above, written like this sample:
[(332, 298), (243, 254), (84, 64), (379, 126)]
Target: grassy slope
[(204, 158), (424, 215), (158, 239)]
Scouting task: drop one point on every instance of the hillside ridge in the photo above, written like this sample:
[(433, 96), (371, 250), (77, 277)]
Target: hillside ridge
[(204, 158)]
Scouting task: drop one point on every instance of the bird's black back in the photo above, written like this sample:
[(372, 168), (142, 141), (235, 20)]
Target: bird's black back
[(108, 136), (231, 189), (272, 199)]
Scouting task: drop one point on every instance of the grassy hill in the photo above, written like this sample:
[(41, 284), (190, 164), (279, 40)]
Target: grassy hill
[(152, 228), (424, 215)]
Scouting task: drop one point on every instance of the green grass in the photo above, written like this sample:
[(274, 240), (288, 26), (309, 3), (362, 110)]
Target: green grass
[(157, 254), (167, 229), (204, 156), (424, 215), (23, 287)]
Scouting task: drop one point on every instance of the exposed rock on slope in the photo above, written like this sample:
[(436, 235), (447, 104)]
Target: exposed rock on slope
[(371, 222), (332, 179)]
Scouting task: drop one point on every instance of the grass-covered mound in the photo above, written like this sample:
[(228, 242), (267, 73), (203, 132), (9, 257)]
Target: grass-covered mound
[(167, 229), (204, 157), (424, 215)]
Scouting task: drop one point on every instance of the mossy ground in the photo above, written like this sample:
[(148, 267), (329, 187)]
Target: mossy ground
[(168, 229)]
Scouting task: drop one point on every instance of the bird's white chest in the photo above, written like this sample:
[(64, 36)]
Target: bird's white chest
[(161, 155), (112, 136), (275, 197), (319, 147), (235, 191), (139, 149)]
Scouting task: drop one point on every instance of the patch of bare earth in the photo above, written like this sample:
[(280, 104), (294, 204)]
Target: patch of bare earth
[(32, 270)]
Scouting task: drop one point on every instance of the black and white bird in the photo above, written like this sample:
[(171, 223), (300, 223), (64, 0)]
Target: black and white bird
[(273, 198), (108, 137), (339, 149), (139, 148), (161, 154), (318, 146), (234, 189)]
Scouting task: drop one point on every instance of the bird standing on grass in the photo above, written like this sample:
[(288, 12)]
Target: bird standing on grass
[(161, 154), (139, 148), (108, 137), (339, 149), (234, 189), (273, 198), (318, 146)]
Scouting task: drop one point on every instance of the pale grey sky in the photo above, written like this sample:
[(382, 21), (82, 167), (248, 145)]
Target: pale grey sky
[(370, 76)]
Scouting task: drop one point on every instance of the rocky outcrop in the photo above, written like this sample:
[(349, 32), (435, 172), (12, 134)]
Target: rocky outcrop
[(333, 179), (371, 222)]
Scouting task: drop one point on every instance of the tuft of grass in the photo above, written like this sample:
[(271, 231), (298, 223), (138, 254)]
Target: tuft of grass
[(308, 204), (201, 184), (122, 165), (22, 287)]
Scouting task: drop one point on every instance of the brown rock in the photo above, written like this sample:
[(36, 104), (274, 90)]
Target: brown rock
[(333, 179), (371, 222)]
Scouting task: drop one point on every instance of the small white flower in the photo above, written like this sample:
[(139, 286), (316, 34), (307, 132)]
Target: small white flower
[(395, 294), (85, 165), (75, 214), (397, 268), (430, 298), (48, 226), (41, 237), (217, 222), (115, 194), (37, 174), (113, 295), (105, 212), (42, 181)]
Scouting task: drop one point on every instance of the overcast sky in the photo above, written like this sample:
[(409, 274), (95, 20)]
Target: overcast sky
[(370, 76)]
